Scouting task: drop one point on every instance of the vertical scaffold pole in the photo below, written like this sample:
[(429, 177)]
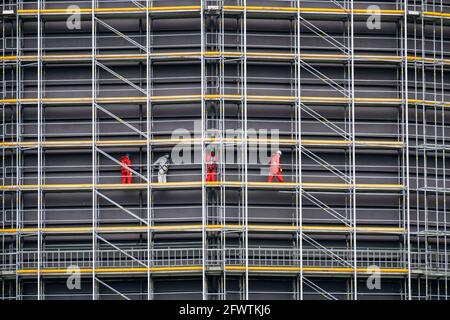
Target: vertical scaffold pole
[(203, 137), (149, 150), (425, 148), (353, 146), (444, 151), (406, 143), (93, 146), (222, 149), (39, 148), (18, 160), (299, 214), (245, 145)]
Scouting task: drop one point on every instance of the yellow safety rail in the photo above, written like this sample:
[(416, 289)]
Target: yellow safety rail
[(110, 10), (227, 268), (249, 9), (249, 55), (198, 228), (174, 141), (228, 97), (198, 8), (198, 184)]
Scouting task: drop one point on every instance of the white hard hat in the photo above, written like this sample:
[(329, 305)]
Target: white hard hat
[(279, 152)]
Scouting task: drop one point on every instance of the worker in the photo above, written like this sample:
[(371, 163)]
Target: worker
[(275, 168), (163, 164), (125, 163), (211, 166)]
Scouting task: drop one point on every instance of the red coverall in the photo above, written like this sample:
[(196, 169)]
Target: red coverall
[(275, 169), (125, 161), (211, 167)]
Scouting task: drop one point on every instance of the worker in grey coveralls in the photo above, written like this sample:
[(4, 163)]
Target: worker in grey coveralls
[(163, 164)]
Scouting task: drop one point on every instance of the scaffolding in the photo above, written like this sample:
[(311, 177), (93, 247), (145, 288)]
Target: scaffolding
[(360, 114)]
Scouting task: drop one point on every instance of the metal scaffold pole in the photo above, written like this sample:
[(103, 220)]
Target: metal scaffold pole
[(202, 151), (424, 148), (299, 177), (244, 146), (18, 158), (39, 149), (353, 147), (444, 158), (94, 146), (223, 148), (405, 112), (149, 159)]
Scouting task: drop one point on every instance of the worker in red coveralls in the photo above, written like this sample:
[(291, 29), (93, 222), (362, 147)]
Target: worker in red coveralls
[(275, 168), (125, 162), (211, 166)]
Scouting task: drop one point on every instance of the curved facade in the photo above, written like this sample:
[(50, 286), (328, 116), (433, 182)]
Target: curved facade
[(354, 93)]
